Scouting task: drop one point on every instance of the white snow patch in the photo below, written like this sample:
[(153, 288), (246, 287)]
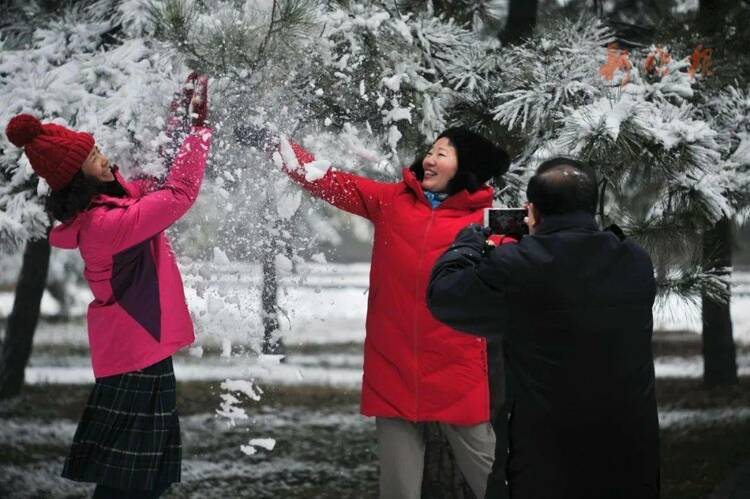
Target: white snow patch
[(242, 386), (315, 170), (394, 82), (396, 114), (680, 418), (287, 154), (264, 443)]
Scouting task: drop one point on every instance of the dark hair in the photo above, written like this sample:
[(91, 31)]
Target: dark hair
[(76, 197), (479, 159), (563, 185)]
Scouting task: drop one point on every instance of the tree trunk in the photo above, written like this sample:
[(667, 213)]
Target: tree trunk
[(521, 21), (270, 302), (19, 336), (719, 356), (58, 290)]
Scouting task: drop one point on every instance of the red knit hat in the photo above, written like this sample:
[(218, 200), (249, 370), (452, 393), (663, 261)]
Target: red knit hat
[(56, 153)]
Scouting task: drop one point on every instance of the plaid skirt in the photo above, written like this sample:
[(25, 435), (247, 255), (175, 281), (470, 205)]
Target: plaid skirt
[(129, 434)]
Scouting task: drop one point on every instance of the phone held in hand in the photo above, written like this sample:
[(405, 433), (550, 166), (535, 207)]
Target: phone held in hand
[(507, 221)]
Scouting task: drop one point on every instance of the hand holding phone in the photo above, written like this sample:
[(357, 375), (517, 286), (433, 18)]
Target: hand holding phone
[(507, 221)]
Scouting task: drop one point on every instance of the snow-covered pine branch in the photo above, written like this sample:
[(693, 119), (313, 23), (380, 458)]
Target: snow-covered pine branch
[(64, 73), (668, 157), (224, 38)]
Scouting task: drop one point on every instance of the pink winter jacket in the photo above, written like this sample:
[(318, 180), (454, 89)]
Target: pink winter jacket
[(138, 316)]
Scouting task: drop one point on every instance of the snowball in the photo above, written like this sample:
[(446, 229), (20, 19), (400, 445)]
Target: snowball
[(316, 170), (196, 351), (319, 258)]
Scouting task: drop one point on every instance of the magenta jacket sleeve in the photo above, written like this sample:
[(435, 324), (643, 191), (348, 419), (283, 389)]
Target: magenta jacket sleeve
[(122, 227), (346, 191)]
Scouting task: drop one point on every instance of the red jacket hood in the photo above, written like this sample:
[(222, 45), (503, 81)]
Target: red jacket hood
[(463, 200)]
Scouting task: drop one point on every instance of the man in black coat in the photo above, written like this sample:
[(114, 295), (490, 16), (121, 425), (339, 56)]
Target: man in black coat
[(572, 304)]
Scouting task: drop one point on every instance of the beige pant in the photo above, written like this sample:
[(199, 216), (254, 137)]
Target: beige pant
[(401, 449)]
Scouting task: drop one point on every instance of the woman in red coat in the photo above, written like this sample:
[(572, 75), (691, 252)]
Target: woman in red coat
[(416, 369)]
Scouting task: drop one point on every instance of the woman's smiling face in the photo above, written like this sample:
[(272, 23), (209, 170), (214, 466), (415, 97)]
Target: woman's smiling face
[(440, 166), (97, 166)]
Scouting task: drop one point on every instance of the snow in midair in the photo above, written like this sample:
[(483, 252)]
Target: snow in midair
[(316, 170)]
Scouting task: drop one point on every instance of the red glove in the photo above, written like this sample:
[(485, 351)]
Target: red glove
[(180, 107), (199, 101)]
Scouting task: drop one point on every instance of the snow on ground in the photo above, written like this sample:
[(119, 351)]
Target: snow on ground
[(692, 367), (315, 446), (326, 303), (687, 418), (338, 370), (323, 304), (298, 369), (319, 446)]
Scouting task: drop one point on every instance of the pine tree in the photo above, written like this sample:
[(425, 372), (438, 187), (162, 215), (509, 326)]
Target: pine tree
[(56, 62), (360, 83), (246, 48), (667, 171)]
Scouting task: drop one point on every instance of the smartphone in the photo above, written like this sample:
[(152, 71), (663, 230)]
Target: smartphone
[(506, 221)]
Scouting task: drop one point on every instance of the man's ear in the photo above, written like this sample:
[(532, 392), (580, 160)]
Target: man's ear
[(533, 218)]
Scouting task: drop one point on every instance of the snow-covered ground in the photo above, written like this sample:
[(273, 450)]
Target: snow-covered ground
[(323, 326), (322, 305), (326, 303)]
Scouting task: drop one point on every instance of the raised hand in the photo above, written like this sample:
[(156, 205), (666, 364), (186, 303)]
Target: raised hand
[(199, 101), (180, 106)]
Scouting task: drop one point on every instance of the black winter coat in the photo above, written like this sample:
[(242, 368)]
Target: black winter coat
[(573, 307)]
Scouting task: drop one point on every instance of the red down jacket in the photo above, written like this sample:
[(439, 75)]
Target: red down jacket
[(415, 367)]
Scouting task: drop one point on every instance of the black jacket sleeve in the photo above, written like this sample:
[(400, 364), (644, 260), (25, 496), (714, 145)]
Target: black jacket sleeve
[(457, 294)]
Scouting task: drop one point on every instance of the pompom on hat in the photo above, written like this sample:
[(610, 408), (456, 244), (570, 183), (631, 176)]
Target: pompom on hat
[(56, 153)]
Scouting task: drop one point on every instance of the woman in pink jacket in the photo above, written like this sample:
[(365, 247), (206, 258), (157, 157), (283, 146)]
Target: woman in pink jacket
[(128, 440)]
